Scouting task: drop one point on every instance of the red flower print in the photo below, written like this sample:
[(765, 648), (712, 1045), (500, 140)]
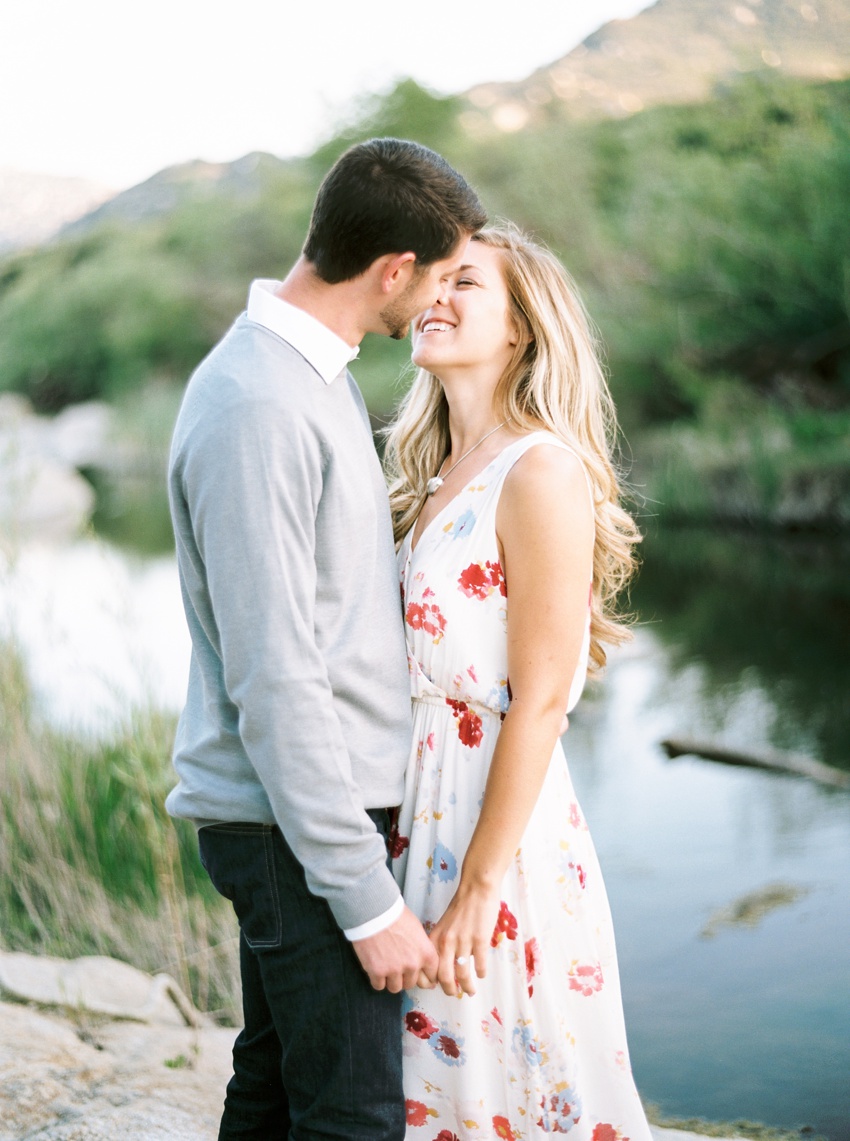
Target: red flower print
[(497, 578), (581, 874), (575, 816), (474, 581), (496, 1015), (470, 728), (427, 617), (479, 580), (586, 978), (417, 1113), (447, 1045), (419, 1024), (471, 671), (502, 1128), (446, 1135), (505, 925), (398, 843), (532, 962), (604, 1132)]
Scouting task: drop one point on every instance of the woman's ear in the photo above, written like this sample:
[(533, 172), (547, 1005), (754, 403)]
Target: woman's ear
[(520, 333)]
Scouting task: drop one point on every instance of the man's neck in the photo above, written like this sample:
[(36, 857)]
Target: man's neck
[(336, 306)]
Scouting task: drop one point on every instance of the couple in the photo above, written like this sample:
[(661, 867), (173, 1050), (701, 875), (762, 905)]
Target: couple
[(470, 991)]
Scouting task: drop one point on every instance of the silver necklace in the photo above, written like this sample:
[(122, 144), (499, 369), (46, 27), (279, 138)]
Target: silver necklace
[(436, 481)]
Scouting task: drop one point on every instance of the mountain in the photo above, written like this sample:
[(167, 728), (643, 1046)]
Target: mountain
[(34, 207), (176, 185), (677, 51)]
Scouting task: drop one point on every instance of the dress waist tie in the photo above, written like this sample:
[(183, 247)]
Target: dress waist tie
[(451, 703)]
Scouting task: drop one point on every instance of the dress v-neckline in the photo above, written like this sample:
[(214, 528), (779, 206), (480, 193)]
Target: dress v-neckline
[(412, 546)]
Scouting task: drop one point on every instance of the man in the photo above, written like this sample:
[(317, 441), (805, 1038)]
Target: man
[(296, 727)]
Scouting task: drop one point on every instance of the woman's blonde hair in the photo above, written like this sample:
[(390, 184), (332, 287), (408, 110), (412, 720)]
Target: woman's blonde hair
[(554, 382)]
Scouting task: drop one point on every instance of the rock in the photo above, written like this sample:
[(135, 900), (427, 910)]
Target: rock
[(41, 493), (74, 1075), (95, 985), (80, 1079), (80, 435)]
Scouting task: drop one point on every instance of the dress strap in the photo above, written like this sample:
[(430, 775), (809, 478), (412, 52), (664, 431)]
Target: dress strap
[(515, 451)]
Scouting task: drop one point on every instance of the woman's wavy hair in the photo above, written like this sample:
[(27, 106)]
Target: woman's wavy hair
[(554, 382)]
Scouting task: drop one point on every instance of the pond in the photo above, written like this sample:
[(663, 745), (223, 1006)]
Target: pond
[(730, 887)]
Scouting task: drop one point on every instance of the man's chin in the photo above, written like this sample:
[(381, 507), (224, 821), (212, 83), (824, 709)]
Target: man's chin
[(400, 332)]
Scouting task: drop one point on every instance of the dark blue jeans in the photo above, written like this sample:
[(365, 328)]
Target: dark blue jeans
[(320, 1054)]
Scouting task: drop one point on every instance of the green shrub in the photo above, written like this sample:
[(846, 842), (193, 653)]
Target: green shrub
[(91, 863)]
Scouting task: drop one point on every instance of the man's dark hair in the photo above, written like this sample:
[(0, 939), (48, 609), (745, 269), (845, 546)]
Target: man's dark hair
[(388, 196)]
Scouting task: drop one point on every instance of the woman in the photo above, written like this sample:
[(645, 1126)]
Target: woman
[(513, 548)]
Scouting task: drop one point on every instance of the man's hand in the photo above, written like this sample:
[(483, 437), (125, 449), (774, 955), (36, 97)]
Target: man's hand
[(394, 958)]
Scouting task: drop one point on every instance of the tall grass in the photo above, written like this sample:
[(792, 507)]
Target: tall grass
[(749, 461), (90, 862)]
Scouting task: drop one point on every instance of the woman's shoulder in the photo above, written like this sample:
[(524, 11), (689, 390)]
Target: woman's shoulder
[(545, 473)]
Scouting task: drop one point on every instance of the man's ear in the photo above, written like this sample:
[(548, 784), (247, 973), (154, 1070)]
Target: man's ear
[(396, 270)]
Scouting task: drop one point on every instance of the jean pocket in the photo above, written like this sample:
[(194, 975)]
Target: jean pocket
[(240, 861)]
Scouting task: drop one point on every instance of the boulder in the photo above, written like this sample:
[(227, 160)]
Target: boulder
[(42, 495), (96, 985), (81, 1070)]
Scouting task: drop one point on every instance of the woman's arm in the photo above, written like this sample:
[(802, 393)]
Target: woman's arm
[(544, 524)]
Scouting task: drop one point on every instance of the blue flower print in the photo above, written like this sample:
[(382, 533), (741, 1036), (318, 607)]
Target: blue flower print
[(561, 1111), (498, 697), (442, 863), (447, 1047), (525, 1043), (461, 527)]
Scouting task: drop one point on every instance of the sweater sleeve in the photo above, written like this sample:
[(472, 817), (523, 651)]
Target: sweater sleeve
[(252, 484)]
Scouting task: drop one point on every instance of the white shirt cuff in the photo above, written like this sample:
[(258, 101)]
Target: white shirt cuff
[(379, 923)]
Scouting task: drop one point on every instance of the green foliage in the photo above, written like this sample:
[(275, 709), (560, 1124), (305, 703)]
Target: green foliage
[(406, 111), (709, 241), (737, 245), (91, 863), (98, 315)]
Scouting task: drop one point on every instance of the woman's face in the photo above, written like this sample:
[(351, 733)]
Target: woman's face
[(470, 325)]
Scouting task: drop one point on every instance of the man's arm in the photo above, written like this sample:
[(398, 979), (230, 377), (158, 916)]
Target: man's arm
[(252, 480)]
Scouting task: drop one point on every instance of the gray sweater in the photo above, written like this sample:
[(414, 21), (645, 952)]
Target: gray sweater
[(298, 708)]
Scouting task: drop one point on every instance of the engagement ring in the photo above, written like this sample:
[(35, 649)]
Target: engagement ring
[(461, 960)]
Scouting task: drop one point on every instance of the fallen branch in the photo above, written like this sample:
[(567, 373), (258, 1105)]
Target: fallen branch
[(776, 762)]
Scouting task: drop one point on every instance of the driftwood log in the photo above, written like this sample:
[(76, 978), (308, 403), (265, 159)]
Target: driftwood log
[(774, 761)]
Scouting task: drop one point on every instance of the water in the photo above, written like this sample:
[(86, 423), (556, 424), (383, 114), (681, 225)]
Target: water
[(743, 641)]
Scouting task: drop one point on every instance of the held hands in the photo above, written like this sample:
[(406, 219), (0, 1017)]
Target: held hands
[(395, 958), (462, 940)]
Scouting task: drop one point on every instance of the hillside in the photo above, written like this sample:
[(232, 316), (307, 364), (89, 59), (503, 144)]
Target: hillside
[(677, 51), (175, 186), (709, 239)]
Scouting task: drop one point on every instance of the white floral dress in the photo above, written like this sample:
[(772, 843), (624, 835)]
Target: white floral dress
[(541, 1047)]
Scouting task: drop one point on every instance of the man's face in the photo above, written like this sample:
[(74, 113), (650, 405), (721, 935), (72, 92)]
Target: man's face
[(421, 292)]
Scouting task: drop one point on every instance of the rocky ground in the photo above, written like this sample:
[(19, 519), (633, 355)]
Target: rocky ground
[(93, 1050)]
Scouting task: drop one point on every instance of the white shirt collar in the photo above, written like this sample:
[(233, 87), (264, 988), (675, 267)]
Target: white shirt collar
[(324, 350)]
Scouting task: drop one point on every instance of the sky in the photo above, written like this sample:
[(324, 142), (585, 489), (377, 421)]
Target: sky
[(115, 91)]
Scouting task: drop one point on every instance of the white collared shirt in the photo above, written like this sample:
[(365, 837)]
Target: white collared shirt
[(324, 350)]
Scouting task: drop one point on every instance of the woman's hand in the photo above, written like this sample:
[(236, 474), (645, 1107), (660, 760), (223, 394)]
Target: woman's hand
[(462, 938)]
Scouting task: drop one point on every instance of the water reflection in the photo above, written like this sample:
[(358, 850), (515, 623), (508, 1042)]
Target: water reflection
[(745, 646), (101, 630), (768, 621)]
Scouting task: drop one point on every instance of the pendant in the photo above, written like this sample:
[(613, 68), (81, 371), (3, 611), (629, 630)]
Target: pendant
[(433, 485)]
